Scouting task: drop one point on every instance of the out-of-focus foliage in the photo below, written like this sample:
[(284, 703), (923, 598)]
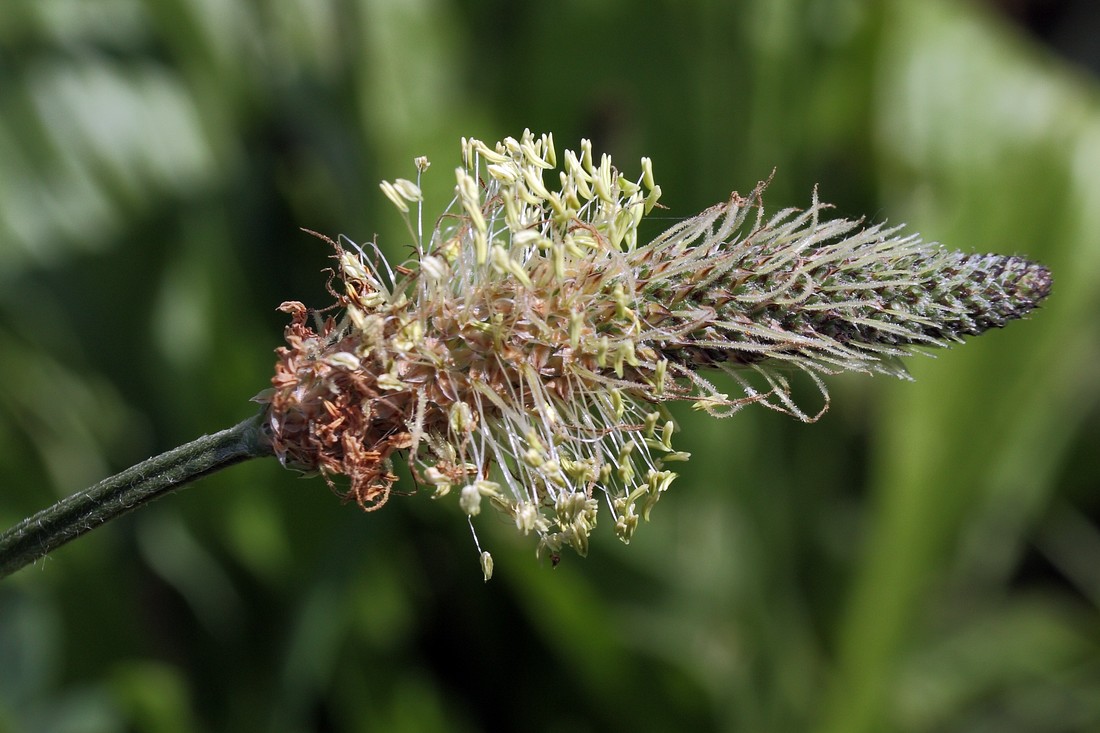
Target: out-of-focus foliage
[(924, 558)]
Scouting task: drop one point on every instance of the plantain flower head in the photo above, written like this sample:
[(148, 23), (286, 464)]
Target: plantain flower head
[(522, 359)]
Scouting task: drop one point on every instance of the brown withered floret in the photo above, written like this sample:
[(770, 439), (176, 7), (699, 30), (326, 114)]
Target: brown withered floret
[(325, 417)]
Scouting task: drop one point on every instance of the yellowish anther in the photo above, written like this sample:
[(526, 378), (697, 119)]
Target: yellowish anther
[(617, 403), (439, 480), (622, 226), (490, 155), (524, 194), (510, 146), (549, 154), (527, 238), (626, 521), (344, 360), (468, 150), (569, 468), (602, 182), (614, 231), (469, 500), (626, 465), (666, 434), (407, 189), (528, 517), (651, 199), (357, 317), (467, 191), (488, 488), (486, 565), (461, 418), (659, 374), (434, 268), (651, 423), (534, 441), (576, 328), (352, 268), (628, 187), (576, 509), (551, 471), (626, 348), (580, 180), (390, 383), (503, 172), (481, 247), (676, 456), (577, 536), (557, 205), (586, 156), (622, 301), (584, 188), (647, 174), (511, 210), (570, 194), (659, 481), (551, 413), (710, 402), (395, 198), (534, 156), (496, 329), (602, 347), (408, 336), (573, 243), (636, 207), (371, 329), (572, 165), (520, 274), (503, 263), (630, 241), (582, 472), (533, 457), (558, 254), (370, 299), (451, 249), (639, 491)]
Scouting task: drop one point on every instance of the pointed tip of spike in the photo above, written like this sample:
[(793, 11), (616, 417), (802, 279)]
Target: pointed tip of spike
[(1035, 283)]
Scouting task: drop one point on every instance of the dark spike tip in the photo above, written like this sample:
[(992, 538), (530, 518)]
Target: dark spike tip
[(1034, 283)]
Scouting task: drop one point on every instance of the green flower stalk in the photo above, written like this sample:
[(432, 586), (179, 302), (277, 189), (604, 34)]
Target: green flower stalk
[(522, 359)]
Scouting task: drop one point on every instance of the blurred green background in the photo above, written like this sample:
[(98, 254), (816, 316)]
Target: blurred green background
[(925, 558)]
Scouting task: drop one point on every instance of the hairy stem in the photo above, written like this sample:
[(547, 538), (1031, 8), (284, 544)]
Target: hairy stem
[(82, 512)]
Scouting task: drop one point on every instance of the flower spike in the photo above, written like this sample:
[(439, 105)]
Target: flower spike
[(524, 358)]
